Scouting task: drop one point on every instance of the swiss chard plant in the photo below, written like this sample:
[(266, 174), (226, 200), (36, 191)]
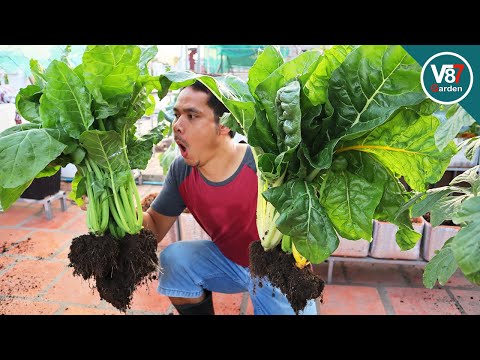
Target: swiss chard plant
[(347, 126), (332, 134), (86, 116)]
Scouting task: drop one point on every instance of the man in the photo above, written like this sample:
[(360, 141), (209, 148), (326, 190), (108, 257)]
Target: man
[(214, 177)]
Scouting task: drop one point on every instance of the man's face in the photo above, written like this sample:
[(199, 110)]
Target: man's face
[(195, 130)]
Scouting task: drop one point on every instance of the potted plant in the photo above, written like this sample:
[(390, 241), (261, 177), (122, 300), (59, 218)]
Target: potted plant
[(384, 244), (435, 235), (460, 203)]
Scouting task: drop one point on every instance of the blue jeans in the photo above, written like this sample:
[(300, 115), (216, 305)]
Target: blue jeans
[(188, 267)]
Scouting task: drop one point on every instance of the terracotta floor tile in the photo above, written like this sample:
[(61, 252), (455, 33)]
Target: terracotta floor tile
[(374, 274), (73, 289), (22, 204), (78, 310), (63, 256), (5, 262), (42, 244), (11, 236), (469, 300), (12, 306), (458, 280), (29, 277), (351, 300), (249, 310), (410, 301), (148, 299), (16, 214), (227, 304), (78, 225), (60, 218)]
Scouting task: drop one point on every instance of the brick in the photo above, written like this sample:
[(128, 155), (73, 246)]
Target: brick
[(469, 300), (29, 277), (146, 298), (374, 274), (8, 237), (12, 306), (42, 244), (227, 304), (79, 310), (73, 289), (413, 274), (17, 214), (411, 301), (351, 300)]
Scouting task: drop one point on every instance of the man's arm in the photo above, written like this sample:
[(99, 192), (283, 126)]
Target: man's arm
[(157, 223)]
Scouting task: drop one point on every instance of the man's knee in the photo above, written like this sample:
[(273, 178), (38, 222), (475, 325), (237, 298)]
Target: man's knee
[(175, 256)]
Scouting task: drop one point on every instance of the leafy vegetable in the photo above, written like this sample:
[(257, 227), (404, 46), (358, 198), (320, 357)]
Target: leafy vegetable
[(85, 116), (372, 125)]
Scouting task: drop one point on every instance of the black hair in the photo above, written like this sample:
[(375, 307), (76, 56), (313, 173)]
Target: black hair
[(216, 105)]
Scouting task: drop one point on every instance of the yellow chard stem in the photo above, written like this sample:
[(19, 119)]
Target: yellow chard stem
[(300, 261)]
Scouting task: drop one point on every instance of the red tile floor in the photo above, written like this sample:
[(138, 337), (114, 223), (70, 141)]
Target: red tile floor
[(35, 278)]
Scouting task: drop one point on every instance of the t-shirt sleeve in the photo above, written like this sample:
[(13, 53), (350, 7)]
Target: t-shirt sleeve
[(169, 202)]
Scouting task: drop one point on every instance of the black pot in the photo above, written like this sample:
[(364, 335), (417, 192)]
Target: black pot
[(43, 187)]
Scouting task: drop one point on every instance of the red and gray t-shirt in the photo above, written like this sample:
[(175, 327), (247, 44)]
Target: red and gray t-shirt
[(225, 210)]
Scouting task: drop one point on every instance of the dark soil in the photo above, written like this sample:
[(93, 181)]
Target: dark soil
[(118, 266), (299, 285)]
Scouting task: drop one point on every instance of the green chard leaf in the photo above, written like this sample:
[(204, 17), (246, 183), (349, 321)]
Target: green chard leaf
[(110, 73), (26, 153), (406, 146), (447, 131), (316, 87), (369, 86), (38, 73), (148, 53), (10, 195), (67, 96), (298, 68), (350, 201), (28, 103), (304, 219), (466, 247), (266, 63), (441, 267), (141, 150)]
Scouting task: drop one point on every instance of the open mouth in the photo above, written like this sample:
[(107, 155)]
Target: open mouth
[(183, 148)]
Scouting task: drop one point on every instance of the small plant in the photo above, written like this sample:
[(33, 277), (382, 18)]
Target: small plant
[(460, 203)]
